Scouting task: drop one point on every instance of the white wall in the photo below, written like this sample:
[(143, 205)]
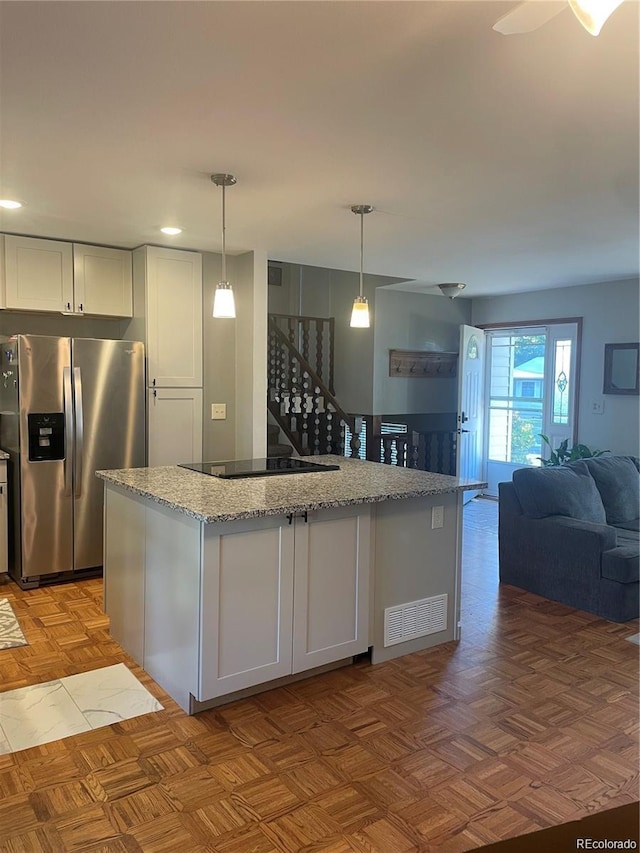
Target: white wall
[(415, 321), (610, 313)]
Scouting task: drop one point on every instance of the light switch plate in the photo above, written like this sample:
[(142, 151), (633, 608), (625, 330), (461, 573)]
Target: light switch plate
[(597, 406), (218, 411)]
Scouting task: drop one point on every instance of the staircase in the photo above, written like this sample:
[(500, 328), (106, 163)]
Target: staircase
[(300, 392), (274, 446)]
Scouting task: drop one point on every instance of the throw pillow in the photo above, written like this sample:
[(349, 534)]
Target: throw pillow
[(618, 482), (559, 491)]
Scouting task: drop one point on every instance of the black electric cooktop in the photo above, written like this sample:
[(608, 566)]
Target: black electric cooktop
[(237, 468)]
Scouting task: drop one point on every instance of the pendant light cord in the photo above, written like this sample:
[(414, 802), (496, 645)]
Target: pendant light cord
[(224, 253), (361, 251)]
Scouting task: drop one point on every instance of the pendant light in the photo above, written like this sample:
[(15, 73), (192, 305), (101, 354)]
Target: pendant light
[(223, 301), (360, 311), (593, 14)]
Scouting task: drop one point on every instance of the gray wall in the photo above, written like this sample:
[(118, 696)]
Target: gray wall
[(318, 292), (415, 321), (219, 344), (610, 313), (235, 363), (249, 272)]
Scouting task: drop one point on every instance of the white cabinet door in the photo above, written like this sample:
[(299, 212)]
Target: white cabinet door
[(331, 586), (174, 421), (102, 281), (174, 317), (246, 601), (38, 274), (4, 558)]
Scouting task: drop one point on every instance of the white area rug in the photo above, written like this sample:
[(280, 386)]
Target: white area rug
[(10, 631), (634, 638)]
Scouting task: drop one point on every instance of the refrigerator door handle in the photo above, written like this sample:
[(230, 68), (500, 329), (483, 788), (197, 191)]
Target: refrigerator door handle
[(77, 391), (68, 429)]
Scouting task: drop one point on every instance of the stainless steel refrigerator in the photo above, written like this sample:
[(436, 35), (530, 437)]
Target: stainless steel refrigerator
[(68, 407)]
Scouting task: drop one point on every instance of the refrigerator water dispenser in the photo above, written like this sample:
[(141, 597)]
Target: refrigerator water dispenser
[(46, 436)]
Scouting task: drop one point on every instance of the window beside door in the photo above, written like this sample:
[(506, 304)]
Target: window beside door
[(531, 384)]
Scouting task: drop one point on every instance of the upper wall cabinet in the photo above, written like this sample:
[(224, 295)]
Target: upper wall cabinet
[(38, 274), (52, 275), (102, 281)]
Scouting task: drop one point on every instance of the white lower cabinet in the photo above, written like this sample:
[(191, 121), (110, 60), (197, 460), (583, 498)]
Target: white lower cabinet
[(281, 597), (174, 424), (331, 586), (211, 609), (247, 605)]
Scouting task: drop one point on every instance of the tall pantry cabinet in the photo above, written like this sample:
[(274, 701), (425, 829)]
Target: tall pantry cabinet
[(167, 298)]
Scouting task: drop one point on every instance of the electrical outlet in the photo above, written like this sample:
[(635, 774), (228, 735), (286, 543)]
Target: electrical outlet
[(437, 517), (218, 411), (597, 407)]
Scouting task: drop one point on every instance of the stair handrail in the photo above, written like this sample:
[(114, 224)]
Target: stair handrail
[(349, 420), (299, 320)]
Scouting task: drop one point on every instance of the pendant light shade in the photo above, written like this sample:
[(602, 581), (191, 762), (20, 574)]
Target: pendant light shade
[(224, 305), (360, 311), (593, 14)]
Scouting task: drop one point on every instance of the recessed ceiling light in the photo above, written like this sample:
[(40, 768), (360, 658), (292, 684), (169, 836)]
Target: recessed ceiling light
[(171, 231), (9, 204)]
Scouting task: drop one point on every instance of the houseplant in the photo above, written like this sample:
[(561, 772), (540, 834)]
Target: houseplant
[(563, 453)]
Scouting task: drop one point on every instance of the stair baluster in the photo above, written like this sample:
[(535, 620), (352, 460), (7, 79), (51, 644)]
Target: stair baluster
[(299, 400)]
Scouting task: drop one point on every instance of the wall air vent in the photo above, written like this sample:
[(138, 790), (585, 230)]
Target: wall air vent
[(415, 619)]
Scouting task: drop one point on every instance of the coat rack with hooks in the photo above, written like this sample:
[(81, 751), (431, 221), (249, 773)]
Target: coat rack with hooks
[(423, 364)]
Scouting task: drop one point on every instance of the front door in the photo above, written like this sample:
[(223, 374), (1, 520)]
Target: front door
[(470, 406)]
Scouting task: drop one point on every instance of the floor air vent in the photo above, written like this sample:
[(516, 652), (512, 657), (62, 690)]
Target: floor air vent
[(415, 619)]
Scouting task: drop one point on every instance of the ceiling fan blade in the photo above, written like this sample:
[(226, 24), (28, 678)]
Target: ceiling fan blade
[(528, 16)]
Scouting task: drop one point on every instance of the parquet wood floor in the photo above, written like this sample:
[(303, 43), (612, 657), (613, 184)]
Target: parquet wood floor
[(530, 721)]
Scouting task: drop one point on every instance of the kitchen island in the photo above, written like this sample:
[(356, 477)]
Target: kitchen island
[(220, 587)]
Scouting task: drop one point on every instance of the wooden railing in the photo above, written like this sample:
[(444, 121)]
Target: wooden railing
[(299, 399), (313, 338), (426, 451)]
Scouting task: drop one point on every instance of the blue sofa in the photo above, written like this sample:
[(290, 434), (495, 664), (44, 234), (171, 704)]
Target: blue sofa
[(571, 534)]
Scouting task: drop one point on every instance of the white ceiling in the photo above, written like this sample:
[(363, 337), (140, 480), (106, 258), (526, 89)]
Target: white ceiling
[(509, 163)]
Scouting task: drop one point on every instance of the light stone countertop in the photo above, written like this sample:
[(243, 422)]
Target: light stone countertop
[(210, 499)]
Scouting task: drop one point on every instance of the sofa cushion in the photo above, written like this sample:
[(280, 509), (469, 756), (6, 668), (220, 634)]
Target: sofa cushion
[(621, 564), (618, 482), (562, 490), (634, 524)]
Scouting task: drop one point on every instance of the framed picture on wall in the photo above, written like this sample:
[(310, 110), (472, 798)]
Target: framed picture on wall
[(621, 369)]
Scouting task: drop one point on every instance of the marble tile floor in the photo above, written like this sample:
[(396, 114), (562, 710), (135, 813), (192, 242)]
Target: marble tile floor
[(10, 631), (42, 713)]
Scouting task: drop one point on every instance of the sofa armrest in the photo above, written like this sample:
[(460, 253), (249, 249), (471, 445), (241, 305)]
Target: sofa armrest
[(557, 557)]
